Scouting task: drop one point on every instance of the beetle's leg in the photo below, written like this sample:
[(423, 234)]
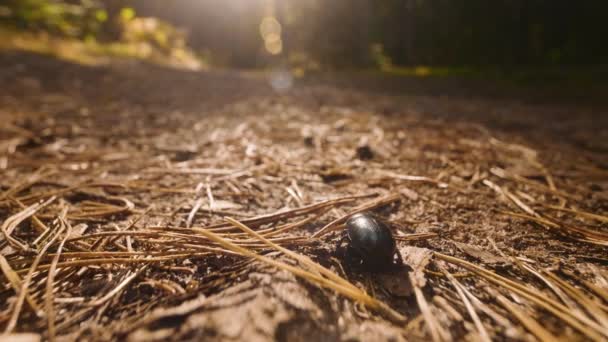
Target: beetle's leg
[(342, 239), (370, 285), (399, 257), (353, 256), (340, 250)]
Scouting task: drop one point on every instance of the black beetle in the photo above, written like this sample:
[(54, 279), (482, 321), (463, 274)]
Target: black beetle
[(371, 240)]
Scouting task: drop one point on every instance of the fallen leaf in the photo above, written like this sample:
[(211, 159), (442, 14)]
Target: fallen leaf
[(480, 254), (416, 258)]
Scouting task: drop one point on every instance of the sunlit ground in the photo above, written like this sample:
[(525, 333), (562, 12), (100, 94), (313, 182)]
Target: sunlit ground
[(520, 75)]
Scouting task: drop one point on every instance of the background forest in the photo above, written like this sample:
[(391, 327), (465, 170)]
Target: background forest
[(339, 33)]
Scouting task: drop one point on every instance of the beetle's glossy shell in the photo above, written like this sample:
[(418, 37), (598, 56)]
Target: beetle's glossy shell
[(371, 239)]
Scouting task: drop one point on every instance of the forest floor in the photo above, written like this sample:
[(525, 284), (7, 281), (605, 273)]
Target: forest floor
[(122, 179)]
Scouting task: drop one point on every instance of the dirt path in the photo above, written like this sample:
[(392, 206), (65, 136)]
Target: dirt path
[(137, 159)]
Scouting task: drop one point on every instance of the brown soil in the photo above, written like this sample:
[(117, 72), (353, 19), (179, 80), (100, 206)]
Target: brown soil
[(499, 208)]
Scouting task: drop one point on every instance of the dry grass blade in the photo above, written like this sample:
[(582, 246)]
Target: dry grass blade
[(560, 294), (195, 171), (284, 214), (528, 322), (50, 312), (31, 180), (12, 222), (577, 233), (15, 281), (116, 290), (133, 223), (462, 292), (37, 196), (41, 227), (487, 309), (516, 178), (25, 286), (349, 291), (301, 258), (511, 197), (585, 326), (413, 178), (415, 237), (443, 304), (592, 216), (599, 291), (197, 205), (290, 226), (595, 237), (120, 261), (93, 210), (379, 202), (430, 320), (583, 301)]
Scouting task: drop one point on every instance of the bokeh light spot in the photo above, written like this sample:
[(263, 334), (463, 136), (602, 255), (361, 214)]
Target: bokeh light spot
[(274, 47), (270, 26), (281, 80)]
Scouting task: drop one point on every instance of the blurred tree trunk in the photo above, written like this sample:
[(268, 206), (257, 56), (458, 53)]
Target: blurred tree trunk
[(111, 29)]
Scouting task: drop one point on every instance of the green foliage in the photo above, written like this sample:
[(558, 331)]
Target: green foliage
[(101, 15), (127, 14), (57, 17), (105, 28), (381, 59), (153, 31)]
